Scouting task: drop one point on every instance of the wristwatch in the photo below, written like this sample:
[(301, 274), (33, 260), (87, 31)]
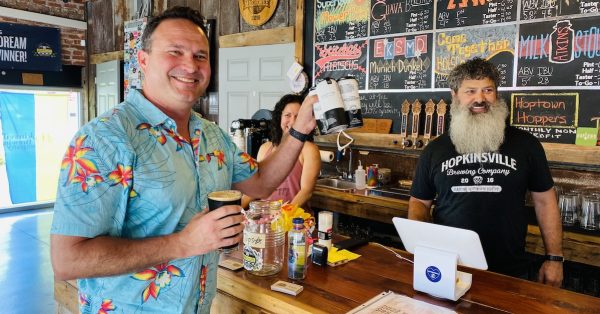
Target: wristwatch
[(555, 258), (297, 135)]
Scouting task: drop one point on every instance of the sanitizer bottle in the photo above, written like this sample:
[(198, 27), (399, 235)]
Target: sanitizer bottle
[(360, 177)]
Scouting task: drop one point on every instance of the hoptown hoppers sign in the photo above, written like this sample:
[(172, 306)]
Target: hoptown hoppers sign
[(257, 12)]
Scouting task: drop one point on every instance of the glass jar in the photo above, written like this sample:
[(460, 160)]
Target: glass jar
[(264, 238)]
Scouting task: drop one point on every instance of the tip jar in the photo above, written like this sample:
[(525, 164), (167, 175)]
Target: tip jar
[(264, 238)]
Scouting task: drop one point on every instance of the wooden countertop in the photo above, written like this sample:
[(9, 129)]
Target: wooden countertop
[(342, 288), (577, 247)]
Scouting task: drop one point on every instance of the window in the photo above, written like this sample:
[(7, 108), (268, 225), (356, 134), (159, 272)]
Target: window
[(36, 127)]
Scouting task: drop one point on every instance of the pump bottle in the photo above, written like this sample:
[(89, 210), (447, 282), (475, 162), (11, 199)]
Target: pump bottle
[(360, 177)]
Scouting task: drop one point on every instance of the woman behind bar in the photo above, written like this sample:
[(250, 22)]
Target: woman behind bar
[(298, 187)]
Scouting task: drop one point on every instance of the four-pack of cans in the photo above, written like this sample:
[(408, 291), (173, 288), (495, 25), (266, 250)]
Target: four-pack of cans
[(339, 105)]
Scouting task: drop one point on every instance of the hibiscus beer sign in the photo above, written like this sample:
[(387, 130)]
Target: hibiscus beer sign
[(24, 47)]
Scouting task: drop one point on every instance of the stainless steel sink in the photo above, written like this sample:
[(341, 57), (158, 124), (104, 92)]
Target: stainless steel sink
[(336, 184)]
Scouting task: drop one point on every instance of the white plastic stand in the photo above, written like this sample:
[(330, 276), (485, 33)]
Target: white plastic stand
[(435, 273)]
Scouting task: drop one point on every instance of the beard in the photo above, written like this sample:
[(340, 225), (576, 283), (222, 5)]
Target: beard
[(477, 133)]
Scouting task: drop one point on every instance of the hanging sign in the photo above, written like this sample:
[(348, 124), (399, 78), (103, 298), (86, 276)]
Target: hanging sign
[(24, 47), (257, 12)]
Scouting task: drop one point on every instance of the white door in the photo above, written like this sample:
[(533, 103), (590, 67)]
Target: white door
[(108, 84), (252, 78)]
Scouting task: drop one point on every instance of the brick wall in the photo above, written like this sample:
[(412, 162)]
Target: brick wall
[(72, 9), (72, 51)]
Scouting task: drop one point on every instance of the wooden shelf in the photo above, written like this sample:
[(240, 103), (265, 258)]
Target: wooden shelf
[(581, 248), (560, 153)]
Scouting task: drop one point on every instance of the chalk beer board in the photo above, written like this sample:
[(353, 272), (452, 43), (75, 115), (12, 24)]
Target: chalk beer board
[(547, 53)]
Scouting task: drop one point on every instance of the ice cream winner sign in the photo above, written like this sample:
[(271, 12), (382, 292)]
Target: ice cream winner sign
[(24, 47)]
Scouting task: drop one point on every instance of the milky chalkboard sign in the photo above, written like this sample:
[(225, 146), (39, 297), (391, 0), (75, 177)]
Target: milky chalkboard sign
[(341, 20), (560, 53), (541, 9), (400, 62), (400, 16), (495, 43), (458, 13), (342, 59)]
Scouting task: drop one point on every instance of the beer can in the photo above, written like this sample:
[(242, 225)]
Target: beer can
[(331, 106), (349, 90), (318, 111)]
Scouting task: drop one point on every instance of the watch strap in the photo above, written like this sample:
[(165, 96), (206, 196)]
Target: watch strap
[(297, 135), (555, 258)]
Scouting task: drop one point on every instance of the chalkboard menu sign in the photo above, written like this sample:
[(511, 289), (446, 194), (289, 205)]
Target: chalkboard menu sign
[(401, 51), (493, 43), (400, 16), (458, 13), (342, 59), (400, 61), (341, 20), (388, 105), (552, 115), (570, 47)]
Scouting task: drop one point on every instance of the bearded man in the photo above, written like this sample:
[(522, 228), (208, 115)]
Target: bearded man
[(478, 174)]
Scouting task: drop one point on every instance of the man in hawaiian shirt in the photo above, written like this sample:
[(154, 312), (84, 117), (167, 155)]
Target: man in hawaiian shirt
[(130, 220)]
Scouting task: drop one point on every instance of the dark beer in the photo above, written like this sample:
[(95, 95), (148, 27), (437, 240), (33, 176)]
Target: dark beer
[(218, 199)]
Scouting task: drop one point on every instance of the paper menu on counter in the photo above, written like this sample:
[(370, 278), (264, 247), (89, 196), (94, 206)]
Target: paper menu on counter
[(390, 302)]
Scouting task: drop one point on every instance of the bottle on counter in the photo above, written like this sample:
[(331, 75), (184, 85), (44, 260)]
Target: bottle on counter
[(297, 250), (360, 177)]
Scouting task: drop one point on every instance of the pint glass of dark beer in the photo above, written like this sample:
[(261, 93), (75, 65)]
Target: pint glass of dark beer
[(217, 199)]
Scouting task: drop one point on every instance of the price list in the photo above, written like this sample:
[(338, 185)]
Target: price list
[(499, 12), (589, 76), (457, 13), (540, 9)]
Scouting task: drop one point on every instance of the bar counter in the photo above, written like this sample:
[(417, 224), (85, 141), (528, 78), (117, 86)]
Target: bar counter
[(342, 288), (577, 247)]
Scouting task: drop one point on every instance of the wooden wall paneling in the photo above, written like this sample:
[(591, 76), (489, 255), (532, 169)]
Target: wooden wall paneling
[(279, 19), (210, 9), (158, 6), (120, 16), (229, 17), (297, 16), (101, 35), (257, 38), (90, 95), (194, 4), (86, 82)]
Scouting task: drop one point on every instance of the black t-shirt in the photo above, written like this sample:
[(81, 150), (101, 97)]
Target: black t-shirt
[(486, 193)]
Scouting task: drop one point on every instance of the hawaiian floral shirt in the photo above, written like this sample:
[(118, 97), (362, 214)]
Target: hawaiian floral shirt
[(129, 174)]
